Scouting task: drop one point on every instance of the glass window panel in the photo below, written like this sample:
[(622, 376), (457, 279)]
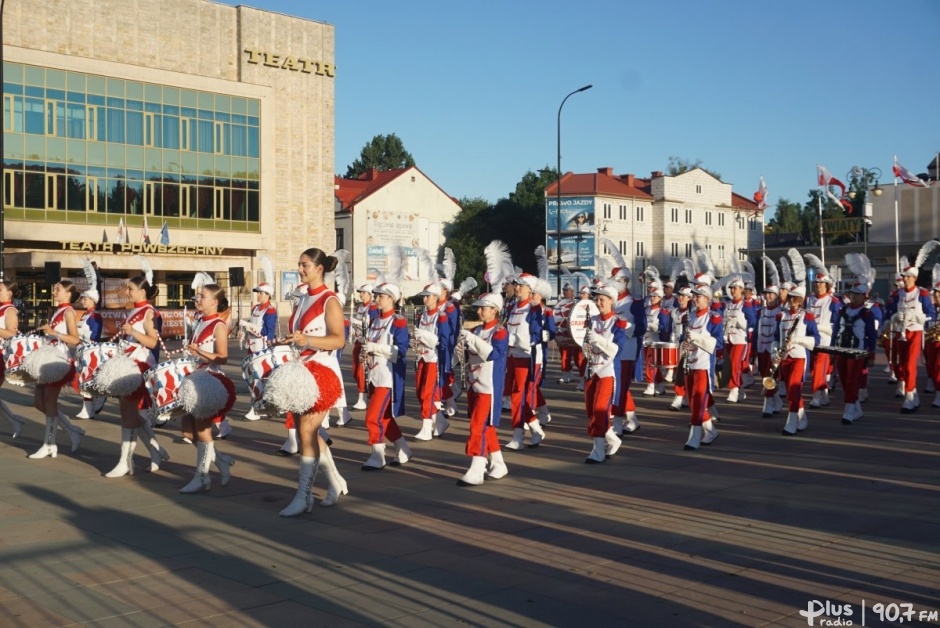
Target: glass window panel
[(135, 175), (36, 92), (171, 161), (188, 98), (207, 168), (254, 169), (35, 76), (55, 94), (171, 132), (97, 172), (254, 107), (75, 81), (75, 193), (223, 166), (204, 202), (116, 102), (96, 100), (134, 198), (251, 200), (34, 115), (205, 133), (205, 114), (75, 97), (189, 162), (116, 156), (171, 110), (253, 142), (76, 152), (115, 125), (171, 201), (114, 189), (152, 93), (239, 105), (97, 153), (55, 149), (96, 85), (253, 121), (135, 128), (13, 72), (134, 89), (223, 103), (153, 107), (134, 105), (13, 113), (240, 184), (14, 145), (19, 189), (36, 147), (222, 117), (77, 169), (55, 78), (153, 159), (240, 167), (117, 173), (61, 127), (134, 158), (171, 96), (35, 190), (206, 100), (76, 120), (12, 88), (239, 205), (237, 119), (116, 87)]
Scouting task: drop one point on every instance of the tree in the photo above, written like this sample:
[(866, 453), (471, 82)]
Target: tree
[(787, 218), (679, 165), (810, 218), (384, 152)]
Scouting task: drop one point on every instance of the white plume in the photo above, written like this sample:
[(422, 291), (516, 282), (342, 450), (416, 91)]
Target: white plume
[(747, 269), (541, 262), (267, 270), (929, 247), (676, 269), (499, 266), (424, 259), (467, 285), (90, 274), (772, 278), (396, 265), (449, 266), (146, 268), (652, 273), (603, 266), (705, 263), (904, 262), (798, 267), (816, 264), (785, 269), (860, 266), (688, 269), (581, 280), (341, 272), (200, 280), (936, 275), (379, 275), (614, 250)]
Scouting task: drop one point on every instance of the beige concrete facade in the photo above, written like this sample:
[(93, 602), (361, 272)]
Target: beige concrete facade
[(286, 63)]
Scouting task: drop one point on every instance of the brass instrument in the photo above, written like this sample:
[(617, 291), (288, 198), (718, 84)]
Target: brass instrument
[(770, 382), (932, 334), (460, 351)]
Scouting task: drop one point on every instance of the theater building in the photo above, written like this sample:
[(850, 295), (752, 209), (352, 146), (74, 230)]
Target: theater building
[(198, 134)]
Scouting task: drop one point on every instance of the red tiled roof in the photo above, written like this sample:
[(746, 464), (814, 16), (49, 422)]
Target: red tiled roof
[(350, 191), (601, 183), (742, 202)]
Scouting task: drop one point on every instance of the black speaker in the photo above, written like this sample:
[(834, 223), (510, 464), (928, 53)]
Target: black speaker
[(53, 272), (236, 277)]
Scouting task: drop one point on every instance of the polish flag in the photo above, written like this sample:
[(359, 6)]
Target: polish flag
[(760, 196), (120, 234), (826, 179), (906, 175)]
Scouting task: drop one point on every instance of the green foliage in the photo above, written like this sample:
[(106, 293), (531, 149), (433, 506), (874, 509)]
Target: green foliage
[(679, 165), (788, 218), (384, 152)]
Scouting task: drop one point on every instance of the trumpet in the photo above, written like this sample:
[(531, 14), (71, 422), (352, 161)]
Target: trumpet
[(933, 332)]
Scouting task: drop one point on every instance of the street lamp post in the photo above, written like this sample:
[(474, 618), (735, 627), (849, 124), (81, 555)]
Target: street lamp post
[(861, 180), (558, 195)]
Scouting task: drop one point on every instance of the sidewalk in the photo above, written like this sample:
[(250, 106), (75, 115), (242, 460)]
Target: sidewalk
[(745, 532)]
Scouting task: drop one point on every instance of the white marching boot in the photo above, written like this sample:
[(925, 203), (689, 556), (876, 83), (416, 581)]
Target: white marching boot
[(125, 465), (543, 414), (344, 419), (778, 403), (516, 443), (849, 415), (75, 433), (361, 403), (224, 463), (303, 499), (695, 438), (335, 482), (377, 460), (201, 481), (440, 424), (612, 443), (676, 404), (99, 403), (450, 406), (935, 404), (290, 446), (538, 434), (48, 447), (16, 422), (402, 452), (617, 425), (660, 388), (789, 429), (426, 431), (733, 395), (158, 455), (597, 454), (224, 427), (801, 421), (713, 412), (632, 423), (252, 415), (475, 474), (910, 403), (88, 409), (768, 409), (497, 468), (709, 432), (650, 390)]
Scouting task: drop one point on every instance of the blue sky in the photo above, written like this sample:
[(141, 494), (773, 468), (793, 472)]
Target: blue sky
[(751, 88)]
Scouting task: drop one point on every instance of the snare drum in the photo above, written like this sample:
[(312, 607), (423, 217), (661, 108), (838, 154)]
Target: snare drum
[(90, 357), (163, 383), (18, 347), (257, 367), (665, 355)]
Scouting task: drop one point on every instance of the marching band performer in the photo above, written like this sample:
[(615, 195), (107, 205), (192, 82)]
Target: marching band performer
[(658, 322), (140, 330), (683, 299), (359, 324), (317, 330), (911, 308), (387, 348), (796, 337), (62, 326), (739, 318), (540, 295), (854, 329), (487, 348), (891, 347), (209, 346), (584, 294), (701, 339), (432, 335), (9, 327), (825, 308), (455, 314), (90, 326), (525, 334), (764, 335), (261, 327), (932, 340), (342, 281), (604, 340), (565, 354)]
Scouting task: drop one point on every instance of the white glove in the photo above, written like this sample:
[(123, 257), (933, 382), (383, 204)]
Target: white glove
[(520, 341), (250, 329), (427, 338), (545, 336), (774, 347), (630, 331), (918, 318), (382, 350), (605, 345), (476, 344), (355, 322), (704, 342), (456, 296), (824, 328), (653, 327), (807, 342)]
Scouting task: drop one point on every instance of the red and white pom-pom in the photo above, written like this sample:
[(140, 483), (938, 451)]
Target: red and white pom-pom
[(119, 376), (292, 388), (47, 365), (202, 395), (329, 384)]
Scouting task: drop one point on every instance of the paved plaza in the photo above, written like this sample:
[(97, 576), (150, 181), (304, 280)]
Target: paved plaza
[(746, 532)]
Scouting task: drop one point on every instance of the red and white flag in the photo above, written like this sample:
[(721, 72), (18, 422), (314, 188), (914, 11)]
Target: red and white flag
[(145, 233), (906, 175), (826, 179), (120, 234), (760, 196)]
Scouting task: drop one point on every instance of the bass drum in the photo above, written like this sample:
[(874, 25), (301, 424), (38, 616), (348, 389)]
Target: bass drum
[(563, 334), (578, 320)]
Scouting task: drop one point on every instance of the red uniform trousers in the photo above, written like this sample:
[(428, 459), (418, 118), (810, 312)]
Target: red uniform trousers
[(680, 391), (651, 373), (791, 374), (482, 439), (448, 391), (566, 355), (427, 388), (359, 371), (763, 367), (820, 367), (581, 362), (908, 357), (932, 360), (700, 398), (624, 402), (598, 398), (738, 356), (850, 374), (521, 390), (379, 420)]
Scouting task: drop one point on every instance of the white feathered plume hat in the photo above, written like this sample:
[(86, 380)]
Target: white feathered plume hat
[(432, 287), (201, 279), (620, 272), (146, 269), (448, 269), (341, 274), (389, 282), (860, 266), (265, 276), (499, 267), (922, 256), (771, 277), (92, 276), (543, 286), (821, 275)]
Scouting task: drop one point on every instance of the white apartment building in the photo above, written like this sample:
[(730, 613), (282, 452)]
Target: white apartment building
[(655, 221)]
